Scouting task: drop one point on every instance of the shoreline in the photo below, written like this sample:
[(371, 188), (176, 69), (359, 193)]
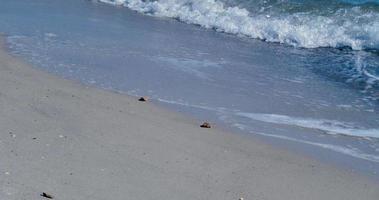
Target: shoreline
[(78, 142)]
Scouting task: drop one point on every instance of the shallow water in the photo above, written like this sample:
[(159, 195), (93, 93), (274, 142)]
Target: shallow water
[(323, 101)]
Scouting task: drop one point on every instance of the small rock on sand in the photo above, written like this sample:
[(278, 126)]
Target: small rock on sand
[(143, 99), (205, 125)]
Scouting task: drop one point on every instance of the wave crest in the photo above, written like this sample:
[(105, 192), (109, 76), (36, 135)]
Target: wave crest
[(344, 27)]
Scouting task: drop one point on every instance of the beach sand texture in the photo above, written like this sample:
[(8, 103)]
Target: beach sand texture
[(77, 142)]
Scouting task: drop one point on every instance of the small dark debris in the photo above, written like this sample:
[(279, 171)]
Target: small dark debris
[(34, 138), (143, 99), (205, 125), (46, 195)]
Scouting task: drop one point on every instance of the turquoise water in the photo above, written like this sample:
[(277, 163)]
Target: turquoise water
[(300, 74)]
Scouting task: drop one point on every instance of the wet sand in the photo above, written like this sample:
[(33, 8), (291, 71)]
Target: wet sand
[(78, 142)]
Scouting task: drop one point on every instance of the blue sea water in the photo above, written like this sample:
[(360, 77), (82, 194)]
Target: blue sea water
[(301, 23), (300, 73)]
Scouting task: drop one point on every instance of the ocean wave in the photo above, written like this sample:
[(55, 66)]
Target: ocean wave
[(328, 126), (336, 148), (351, 26), (331, 127)]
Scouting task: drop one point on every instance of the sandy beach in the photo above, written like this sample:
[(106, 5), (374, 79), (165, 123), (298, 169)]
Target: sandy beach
[(78, 142)]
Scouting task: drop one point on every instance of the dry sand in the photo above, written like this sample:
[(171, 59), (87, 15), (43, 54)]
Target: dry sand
[(75, 142)]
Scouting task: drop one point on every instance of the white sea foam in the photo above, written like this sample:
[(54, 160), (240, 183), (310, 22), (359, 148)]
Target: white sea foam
[(328, 126), (340, 149), (332, 127), (350, 27)]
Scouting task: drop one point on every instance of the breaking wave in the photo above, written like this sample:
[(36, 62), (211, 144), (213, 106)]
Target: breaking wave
[(307, 23)]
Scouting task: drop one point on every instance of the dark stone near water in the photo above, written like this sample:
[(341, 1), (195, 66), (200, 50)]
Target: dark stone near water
[(143, 99), (205, 125)]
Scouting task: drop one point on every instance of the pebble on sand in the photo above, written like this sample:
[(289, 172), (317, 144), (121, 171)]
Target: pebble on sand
[(143, 99), (205, 125)]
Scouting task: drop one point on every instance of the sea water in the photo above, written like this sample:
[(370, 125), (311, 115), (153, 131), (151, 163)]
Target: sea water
[(298, 73)]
